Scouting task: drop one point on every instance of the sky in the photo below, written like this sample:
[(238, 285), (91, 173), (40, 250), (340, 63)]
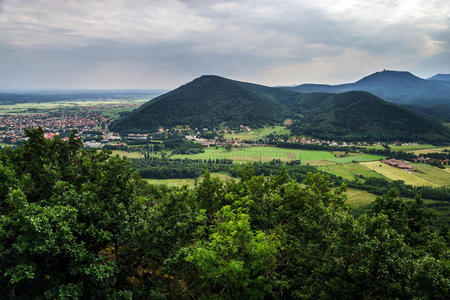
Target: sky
[(134, 44)]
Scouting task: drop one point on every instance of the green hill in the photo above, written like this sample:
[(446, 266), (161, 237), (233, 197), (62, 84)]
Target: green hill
[(211, 101), (363, 116)]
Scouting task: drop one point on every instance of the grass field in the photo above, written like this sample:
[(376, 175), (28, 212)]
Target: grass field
[(45, 106), (405, 148), (431, 150), (397, 174), (348, 171), (260, 153), (265, 154), (190, 182), (353, 158), (359, 198), (437, 176), (258, 133), (127, 154)]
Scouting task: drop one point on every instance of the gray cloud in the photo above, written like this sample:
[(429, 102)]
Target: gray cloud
[(161, 44)]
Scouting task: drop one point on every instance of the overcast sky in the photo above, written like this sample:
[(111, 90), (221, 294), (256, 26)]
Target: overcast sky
[(162, 44)]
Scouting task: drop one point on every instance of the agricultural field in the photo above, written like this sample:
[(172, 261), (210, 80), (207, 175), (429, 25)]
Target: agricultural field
[(266, 154), (349, 171), (190, 182), (433, 174), (431, 150), (406, 148), (259, 133), (397, 174), (355, 158), (359, 198), (131, 154)]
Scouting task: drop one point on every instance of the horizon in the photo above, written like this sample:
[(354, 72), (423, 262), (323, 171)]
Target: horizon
[(163, 90), (117, 44)]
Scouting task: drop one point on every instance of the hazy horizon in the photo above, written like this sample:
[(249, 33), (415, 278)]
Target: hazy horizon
[(123, 45)]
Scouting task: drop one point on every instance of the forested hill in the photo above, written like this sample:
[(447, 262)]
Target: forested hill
[(363, 116), (210, 101), (395, 86)]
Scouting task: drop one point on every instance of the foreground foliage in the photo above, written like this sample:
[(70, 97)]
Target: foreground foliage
[(81, 224)]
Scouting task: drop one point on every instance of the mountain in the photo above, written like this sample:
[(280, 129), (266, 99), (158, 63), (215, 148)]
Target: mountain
[(442, 77), (210, 101), (363, 116), (395, 86)]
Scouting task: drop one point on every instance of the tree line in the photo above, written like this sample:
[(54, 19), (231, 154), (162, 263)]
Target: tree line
[(82, 224)]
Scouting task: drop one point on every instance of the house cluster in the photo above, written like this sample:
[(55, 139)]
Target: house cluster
[(398, 164), (306, 140), (85, 122)]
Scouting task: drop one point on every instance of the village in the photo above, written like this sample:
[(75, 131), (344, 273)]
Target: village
[(87, 123)]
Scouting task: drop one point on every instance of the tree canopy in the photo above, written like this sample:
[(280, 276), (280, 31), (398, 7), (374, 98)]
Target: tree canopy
[(81, 224)]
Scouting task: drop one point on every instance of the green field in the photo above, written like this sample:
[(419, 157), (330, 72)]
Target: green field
[(190, 182), (127, 154), (397, 174), (430, 150), (355, 158), (359, 198), (265, 154), (405, 148), (433, 174), (259, 154), (348, 171), (44, 107), (258, 133)]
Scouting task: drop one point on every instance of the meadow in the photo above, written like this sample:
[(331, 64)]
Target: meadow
[(398, 174), (406, 148), (190, 182), (265, 154), (45, 107), (258, 133), (431, 150), (349, 171), (432, 174)]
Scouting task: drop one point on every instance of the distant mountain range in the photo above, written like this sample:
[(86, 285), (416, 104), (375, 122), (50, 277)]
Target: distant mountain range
[(398, 87), (212, 101), (444, 77)]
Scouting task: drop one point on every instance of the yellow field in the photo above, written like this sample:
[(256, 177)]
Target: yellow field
[(433, 150), (397, 174), (433, 174)]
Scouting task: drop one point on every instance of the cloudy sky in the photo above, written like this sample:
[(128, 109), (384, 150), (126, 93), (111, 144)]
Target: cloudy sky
[(162, 44)]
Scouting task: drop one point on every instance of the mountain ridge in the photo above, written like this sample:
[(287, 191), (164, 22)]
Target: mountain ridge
[(212, 101), (399, 87)]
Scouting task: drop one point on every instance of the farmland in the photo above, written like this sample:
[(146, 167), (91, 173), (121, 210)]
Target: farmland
[(265, 154), (359, 198), (349, 171), (432, 174), (190, 182), (258, 133), (398, 174), (430, 150), (405, 148)]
